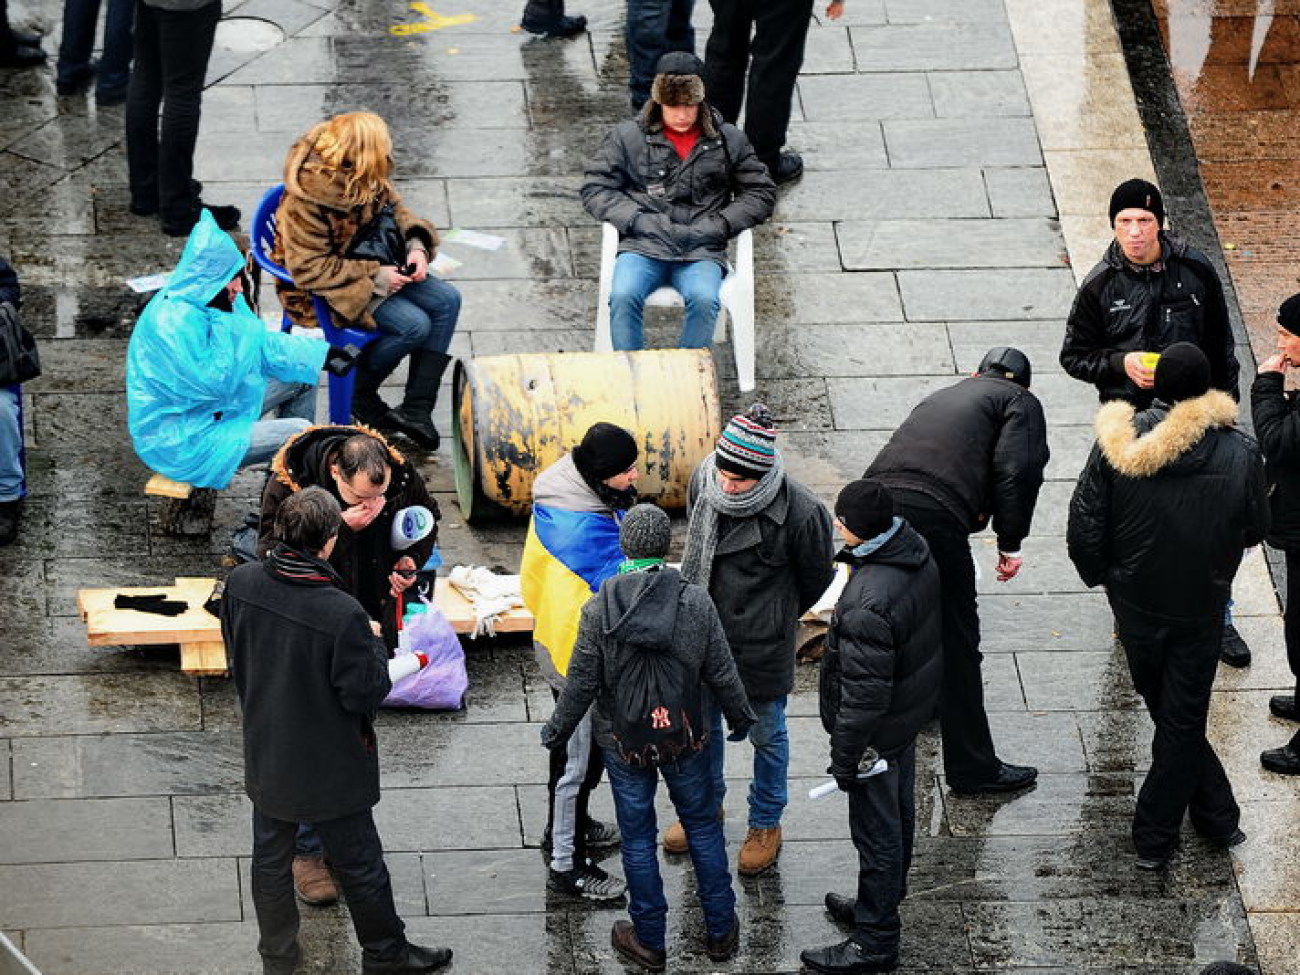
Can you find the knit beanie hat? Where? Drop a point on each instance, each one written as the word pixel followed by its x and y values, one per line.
pixel 1288 315
pixel 646 533
pixel 1182 373
pixel 747 447
pixel 606 450
pixel 865 508
pixel 679 79
pixel 1006 362
pixel 1140 195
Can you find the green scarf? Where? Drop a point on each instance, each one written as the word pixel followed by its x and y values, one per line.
pixel 638 565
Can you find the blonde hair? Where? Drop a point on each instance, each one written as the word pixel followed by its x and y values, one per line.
pixel 358 145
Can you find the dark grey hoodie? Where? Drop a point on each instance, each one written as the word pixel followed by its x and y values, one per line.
pixel 656 611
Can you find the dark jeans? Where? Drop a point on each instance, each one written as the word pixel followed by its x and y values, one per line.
pixel 1173 669
pixel 171 59
pixel 654 27
pixel 422 315
pixel 79 20
pixel 882 822
pixel 353 847
pixel 690 788
pixel 773 59
pixel 968 755
pixel 1291 626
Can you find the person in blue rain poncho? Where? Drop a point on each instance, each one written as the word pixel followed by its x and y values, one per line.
pixel 202 369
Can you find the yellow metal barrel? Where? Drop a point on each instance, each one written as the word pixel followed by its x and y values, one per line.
pixel 514 415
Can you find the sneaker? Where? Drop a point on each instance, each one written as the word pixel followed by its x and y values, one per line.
pixel 555 26
pixel 759 851
pixel 227 218
pixel 587 881
pixel 313 882
pixel 623 939
pixel 601 836
pixel 1233 650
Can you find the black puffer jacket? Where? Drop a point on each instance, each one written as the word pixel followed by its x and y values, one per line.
pixel 884 661
pixel 1121 309
pixel 309 674
pixel 979 448
pixel 1276 415
pixel 362 559
pixel 1164 508
pixel 675 209
pixel 768 570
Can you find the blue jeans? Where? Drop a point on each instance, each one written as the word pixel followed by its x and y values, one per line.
pixel 634 805
pixel 295 410
pixel 12 486
pixel 768 790
pixel 420 316
pixel 79 19
pixel 654 27
pixel 357 856
pixel 637 276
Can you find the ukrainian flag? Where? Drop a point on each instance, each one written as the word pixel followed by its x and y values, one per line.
pixel 567 555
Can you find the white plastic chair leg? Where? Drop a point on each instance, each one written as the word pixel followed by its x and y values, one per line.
pixel 608 252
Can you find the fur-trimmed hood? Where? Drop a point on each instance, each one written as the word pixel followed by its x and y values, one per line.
pixel 304 459
pixel 1136 453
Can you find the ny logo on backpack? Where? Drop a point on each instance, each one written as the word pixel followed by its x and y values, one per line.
pixel 657 716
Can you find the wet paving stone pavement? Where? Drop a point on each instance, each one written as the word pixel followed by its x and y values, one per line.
pixel 959 156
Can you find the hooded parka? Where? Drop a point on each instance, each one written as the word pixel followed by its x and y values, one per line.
pixel 196 375
pixel 1276 415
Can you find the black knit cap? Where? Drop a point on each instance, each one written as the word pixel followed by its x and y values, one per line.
pixel 1008 363
pixel 1182 373
pixel 606 450
pixel 1137 194
pixel 865 508
pixel 1288 315
pixel 645 533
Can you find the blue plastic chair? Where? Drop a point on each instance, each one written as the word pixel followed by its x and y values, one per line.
pixel 341 387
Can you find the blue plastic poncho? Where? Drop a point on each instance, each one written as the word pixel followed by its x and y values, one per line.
pixel 196 376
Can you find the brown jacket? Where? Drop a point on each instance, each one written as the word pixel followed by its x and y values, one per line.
pixel 315 226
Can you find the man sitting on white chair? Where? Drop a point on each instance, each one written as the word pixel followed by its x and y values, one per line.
pixel 677 182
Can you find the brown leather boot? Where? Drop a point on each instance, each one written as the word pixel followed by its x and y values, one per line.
pixel 313 882
pixel 759 850
pixel 674 837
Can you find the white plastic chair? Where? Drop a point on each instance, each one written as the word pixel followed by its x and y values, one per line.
pixel 737 296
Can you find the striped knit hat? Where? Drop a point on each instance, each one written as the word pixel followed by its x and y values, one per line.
pixel 747 447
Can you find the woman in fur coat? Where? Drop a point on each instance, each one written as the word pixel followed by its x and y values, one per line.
pixel 336 180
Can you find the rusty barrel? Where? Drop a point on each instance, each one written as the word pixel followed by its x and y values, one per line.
pixel 514 415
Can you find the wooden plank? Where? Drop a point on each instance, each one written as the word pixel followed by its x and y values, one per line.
pixel 204 659
pixel 460 611
pixel 167 488
pixel 108 626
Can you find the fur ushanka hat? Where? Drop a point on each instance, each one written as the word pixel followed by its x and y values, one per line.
pixel 679 79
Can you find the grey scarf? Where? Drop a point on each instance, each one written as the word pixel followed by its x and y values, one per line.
pixel 702 532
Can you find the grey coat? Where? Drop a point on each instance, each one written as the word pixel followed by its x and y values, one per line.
pixel 768 570
pixel 675 209
pixel 632 613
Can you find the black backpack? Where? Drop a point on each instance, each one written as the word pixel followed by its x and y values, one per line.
pixel 658 714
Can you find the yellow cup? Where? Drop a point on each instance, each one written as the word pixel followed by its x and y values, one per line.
pixel 1149 360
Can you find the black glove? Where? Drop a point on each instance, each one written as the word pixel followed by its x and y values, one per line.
pixel 340 361
pixel 151 603
pixel 846 779
pixel 550 738
pixel 740 732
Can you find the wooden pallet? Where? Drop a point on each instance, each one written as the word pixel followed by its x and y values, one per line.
pixel 196 631
pixel 460 611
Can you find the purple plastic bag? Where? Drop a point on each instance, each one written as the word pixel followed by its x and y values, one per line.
pixel 442 684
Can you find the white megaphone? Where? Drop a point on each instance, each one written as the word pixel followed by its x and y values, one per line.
pixel 410 525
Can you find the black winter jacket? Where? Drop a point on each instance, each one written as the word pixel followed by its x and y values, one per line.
pixel 1276 415
pixel 644 612
pixel 1121 309
pixel 675 209
pixel 309 674
pixel 1164 508
pixel 883 663
pixel 362 559
pixel 768 570
pixel 9 289
pixel 979 448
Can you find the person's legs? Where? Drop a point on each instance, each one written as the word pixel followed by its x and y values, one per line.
pixel 1291 619
pixel 11 445
pixel 768 791
pixel 650 23
pixel 876 823
pixel 780 29
pixel 690 788
pixel 354 850
pixel 78 40
pixel 634 805
pixel 307 842
pixel 290 400
pixel 268 437
pixel 144 96
pixel 115 62
pixel 272 888
pixel 568 849
pixel 715 749
pixel 404 327
pixel 698 282
pixel 726 56
pixel 635 277
pixel 440 302
pixel 184 44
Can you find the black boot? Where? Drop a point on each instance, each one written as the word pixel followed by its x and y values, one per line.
pixel 368 407
pixel 8 521
pixel 422 383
